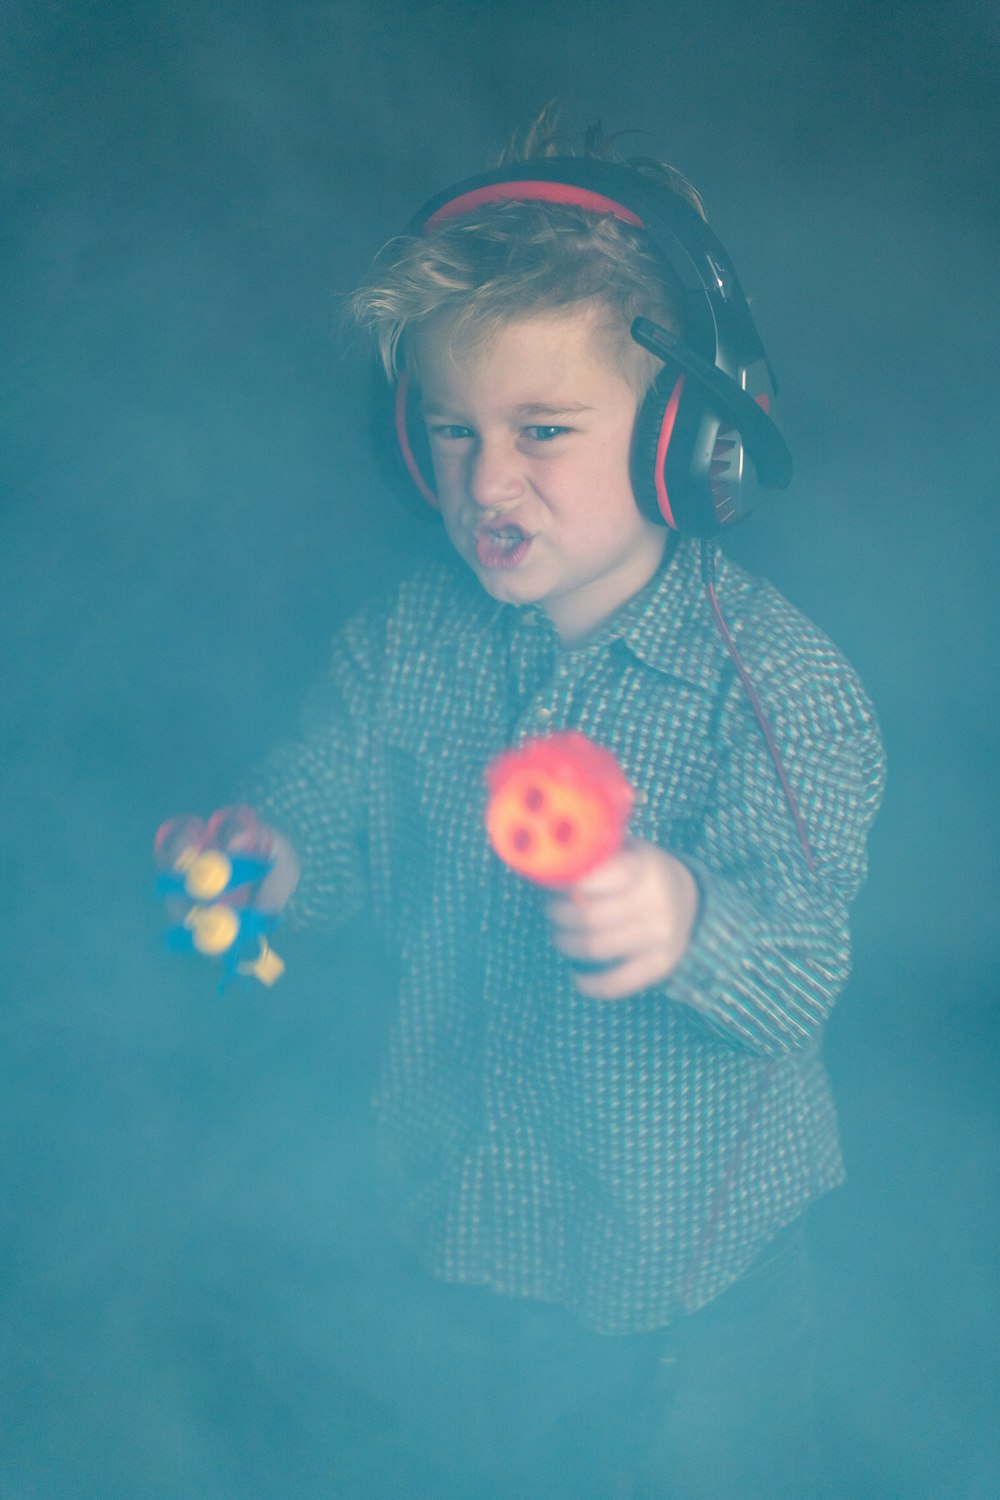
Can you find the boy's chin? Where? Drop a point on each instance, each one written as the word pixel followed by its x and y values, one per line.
pixel 507 588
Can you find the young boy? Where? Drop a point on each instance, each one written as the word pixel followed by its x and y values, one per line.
pixel 609 1098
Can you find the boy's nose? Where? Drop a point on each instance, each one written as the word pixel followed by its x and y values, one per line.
pixel 495 477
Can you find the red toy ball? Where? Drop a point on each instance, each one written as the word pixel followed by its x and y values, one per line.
pixel 558 807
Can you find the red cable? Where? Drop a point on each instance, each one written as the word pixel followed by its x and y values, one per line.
pixel 751 692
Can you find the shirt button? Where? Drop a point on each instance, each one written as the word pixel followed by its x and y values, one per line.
pixel 544 714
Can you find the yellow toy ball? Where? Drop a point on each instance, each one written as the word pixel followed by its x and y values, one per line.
pixel 214 929
pixel 208 875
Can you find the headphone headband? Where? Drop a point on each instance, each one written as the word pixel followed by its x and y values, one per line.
pixel 531 191
pixel 714 301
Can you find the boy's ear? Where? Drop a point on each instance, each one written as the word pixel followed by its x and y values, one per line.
pixel 399 440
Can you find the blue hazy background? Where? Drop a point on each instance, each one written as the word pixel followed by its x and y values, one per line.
pixel 188 511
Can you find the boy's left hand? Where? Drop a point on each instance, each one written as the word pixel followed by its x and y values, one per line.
pixel 636 912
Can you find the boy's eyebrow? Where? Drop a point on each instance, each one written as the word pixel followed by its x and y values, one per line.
pixel 529 409
pixel 436 408
pixel 542 409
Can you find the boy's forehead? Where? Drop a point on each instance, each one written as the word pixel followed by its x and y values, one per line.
pixel 552 340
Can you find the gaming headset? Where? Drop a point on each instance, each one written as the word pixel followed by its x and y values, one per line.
pixel 709 405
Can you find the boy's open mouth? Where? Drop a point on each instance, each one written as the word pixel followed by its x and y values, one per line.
pixel 501 546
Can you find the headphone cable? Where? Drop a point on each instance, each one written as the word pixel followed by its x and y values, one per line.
pixel 708 557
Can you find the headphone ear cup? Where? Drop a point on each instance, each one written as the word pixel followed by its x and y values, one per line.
pixel 399 442
pixel 686 467
pixel 411 435
pixel 652 439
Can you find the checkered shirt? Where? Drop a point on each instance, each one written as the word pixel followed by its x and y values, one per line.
pixel 625 1159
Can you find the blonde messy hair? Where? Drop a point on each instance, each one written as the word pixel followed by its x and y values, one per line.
pixel 472 275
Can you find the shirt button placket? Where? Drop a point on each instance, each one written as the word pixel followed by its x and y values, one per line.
pixel 544 713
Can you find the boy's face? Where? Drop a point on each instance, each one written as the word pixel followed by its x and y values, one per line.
pixel 530 434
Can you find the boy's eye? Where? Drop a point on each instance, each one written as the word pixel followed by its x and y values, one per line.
pixel 449 431
pixel 544 434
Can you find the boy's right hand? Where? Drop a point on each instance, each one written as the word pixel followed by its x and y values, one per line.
pixel 252 837
pixel 225 884
pixel 234 831
pixel 275 890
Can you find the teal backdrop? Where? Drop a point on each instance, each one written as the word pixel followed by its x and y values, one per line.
pixel 187 511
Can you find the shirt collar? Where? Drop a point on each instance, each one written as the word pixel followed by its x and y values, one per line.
pixel 663 625
pixel 667 629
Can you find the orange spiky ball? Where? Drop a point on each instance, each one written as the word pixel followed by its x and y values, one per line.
pixel 558 807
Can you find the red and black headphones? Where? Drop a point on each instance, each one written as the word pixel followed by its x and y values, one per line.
pixel 708 408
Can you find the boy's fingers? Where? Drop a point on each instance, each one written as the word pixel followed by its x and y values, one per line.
pixel 620 980
pixel 619 873
pixel 568 915
pixel 641 926
pixel 601 940
pixel 277 887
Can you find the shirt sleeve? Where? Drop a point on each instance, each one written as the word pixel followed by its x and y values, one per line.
pixel 771 947
pixel 314 788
